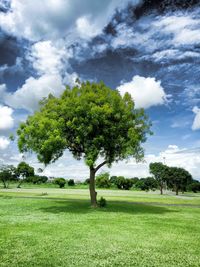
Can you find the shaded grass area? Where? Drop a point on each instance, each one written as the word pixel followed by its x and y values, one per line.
pixel 53 232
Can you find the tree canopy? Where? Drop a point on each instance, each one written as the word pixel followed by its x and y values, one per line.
pixel 90 120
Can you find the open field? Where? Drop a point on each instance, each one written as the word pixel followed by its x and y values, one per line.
pixel 115 195
pixel 57 227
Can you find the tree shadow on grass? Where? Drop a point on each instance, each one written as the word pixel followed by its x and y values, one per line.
pixel 83 207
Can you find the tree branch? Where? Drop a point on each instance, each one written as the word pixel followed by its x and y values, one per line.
pixel 100 165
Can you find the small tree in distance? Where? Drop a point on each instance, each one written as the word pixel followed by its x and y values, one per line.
pixel 160 173
pixel 24 170
pixel 7 173
pixel 178 179
pixel 92 122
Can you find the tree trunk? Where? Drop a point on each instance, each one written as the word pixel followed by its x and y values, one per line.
pixel 177 190
pixel 161 189
pixel 93 193
pixel 4 184
pixel 20 182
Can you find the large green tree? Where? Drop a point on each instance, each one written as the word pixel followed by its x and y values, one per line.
pixel 91 121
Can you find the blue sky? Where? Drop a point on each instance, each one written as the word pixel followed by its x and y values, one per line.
pixel 148 48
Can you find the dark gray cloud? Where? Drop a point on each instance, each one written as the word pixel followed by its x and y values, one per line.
pixel 14 67
pixel 10 49
pixel 4 5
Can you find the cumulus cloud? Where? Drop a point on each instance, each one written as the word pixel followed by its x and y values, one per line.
pixel 86 28
pixel 6 119
pixel 49 62
pixel 34 89
pixel 4 142
pixel 46 57
pixel 51 19
pixel 146 92
pixel 196 122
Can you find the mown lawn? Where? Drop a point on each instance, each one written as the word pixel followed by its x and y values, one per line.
pixel 48 231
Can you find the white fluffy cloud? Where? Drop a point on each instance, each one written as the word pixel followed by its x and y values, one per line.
pixel 52 19
pixel 28 96
pixel 6 119
pixel 196 122
pixel 46 57
pixel 146 92
pixel 4 142
pixel 85 28
pixel 48 60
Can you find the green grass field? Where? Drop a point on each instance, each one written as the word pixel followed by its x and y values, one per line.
pixel 57 227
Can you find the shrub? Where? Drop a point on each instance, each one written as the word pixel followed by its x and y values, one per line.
pixel 141 184
pixel 120 182
pixel 150 183
pixel 44 194
pixel 60 182
pixel 134 180
pixel 147 184
pixel 194 187
pixel 102 202
pixel 36 179
pixel 113 180
pixel 71 182
pixel 87 181
pixel 123 183
pixel 102 180
pixel 127 184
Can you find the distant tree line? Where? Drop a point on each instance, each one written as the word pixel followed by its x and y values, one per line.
pixel 120 182
pixel 24 173
pixel 163 178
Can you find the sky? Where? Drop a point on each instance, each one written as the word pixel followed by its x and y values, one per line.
pixel 148 48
